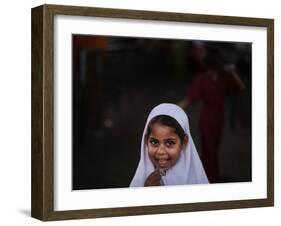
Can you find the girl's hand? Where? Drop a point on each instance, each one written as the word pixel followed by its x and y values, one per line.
pixel 153 179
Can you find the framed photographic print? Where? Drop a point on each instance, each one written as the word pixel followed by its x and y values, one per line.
pixel 142 112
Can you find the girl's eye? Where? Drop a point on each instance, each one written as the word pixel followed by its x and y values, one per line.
pixel 170 143
pixel 153 142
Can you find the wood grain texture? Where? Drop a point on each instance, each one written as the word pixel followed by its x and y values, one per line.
pixel 158 209
pixel 155 15
pixel 42 113
pixel 270 111
pixel 37 193
pixel 48 120
pixel 43 110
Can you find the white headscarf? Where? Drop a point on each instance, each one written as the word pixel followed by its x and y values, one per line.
pixel 187 170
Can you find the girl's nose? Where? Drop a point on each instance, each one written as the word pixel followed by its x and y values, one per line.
pixel 161 150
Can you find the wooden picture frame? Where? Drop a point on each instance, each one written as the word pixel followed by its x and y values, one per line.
pixel 42 205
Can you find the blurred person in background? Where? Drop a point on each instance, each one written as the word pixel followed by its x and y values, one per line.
pixel 211 87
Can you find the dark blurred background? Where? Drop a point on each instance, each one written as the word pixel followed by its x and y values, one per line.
pixel 118 80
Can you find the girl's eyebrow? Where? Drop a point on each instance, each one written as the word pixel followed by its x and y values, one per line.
pixel 171 138
pixel 168 139
pixel 153 138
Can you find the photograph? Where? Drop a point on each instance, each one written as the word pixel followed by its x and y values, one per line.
pixel 150 111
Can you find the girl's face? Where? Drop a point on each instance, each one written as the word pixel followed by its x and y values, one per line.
pixel 164 146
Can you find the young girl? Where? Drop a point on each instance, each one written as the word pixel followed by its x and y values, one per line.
pixel 168 154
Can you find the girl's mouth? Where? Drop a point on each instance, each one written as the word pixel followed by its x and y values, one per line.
pixel 163 163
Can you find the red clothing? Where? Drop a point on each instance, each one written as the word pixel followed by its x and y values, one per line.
pixel 212 93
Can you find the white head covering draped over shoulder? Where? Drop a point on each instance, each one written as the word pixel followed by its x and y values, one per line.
pixel 187 170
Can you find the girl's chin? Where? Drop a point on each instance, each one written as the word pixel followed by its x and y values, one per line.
pixel 161 167
pixel 163 164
